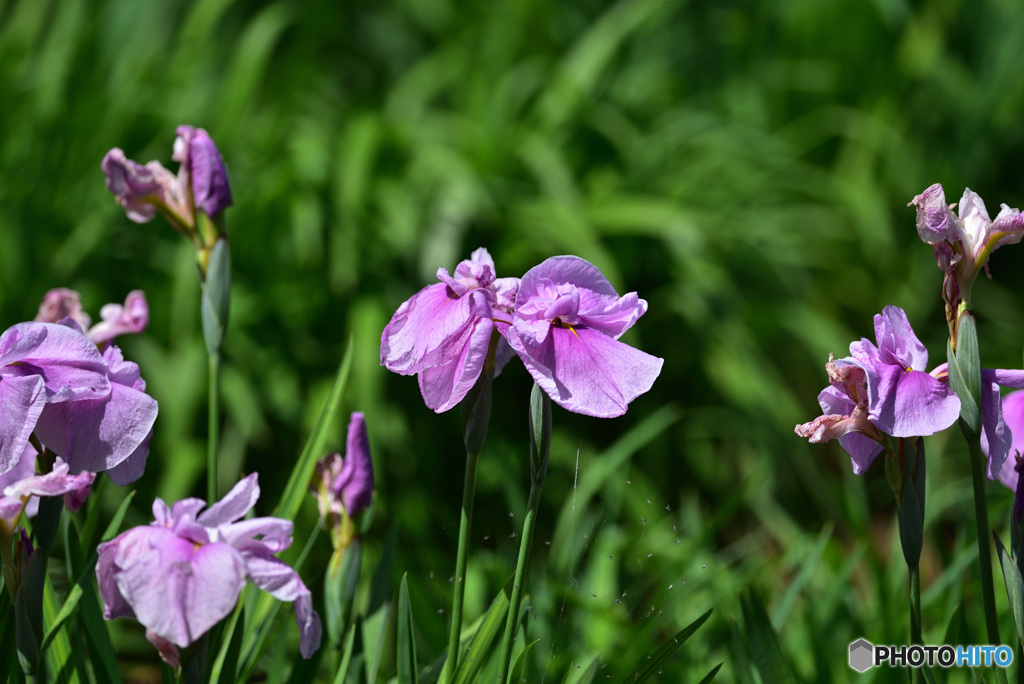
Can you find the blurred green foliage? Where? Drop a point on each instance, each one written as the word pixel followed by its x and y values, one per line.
pixel 743 165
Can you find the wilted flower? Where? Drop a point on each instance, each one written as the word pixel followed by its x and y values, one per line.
pixel 443 332
pixel 344 486
pixel 565 328
pixel 61 303
pixel 201 183
pixel 881 390
pixel 963 243
pixel 21 487
pixel 183 574
pixel 116 320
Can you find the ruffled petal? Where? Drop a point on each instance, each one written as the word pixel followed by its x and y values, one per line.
pixel 444 386
pixel 587 372
pixel 282 582
pixel 21 402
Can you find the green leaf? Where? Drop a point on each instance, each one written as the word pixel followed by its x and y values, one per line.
pixel 225 666
pixel 650 665
pixel 960 381
pixel 346 658
pixel 741 663
pixel 517 669
pixel 216 299
pixel 295 490
pixel 340 583
pixel 711 675
pixel 406 637
pixel 764 643
pixel 1014 585
pixel 480 642
pixel 588 675
pixel 383 617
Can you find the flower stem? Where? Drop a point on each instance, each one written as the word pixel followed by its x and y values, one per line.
pixel 988 594
pixel 465 524
pixel 540 447
pixel 214 428
pixel 914 573
pixel 517 584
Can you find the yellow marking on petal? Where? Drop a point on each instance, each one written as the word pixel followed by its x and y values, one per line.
pixel 574 331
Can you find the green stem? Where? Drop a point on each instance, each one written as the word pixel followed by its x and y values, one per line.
pixel 915 616
pixel 214 429
pixel 988 594
pixel 451 663
pixel 517 583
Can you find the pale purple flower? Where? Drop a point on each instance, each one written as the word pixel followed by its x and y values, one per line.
pixel 443 332
pixel 21 487
pixel 344 486
pixel 881 389
pixel 200 159
pixel 97 434
pixel 133 317
pixel 963 242
pixel 41 365
pixel 1013 423
pixel 141 190
pixel 60 303
pixel 565 328
pixel 183 574
pixel 116 319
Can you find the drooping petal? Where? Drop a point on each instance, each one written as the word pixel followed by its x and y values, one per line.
pixel 21 402
pixel 1013 418
pixel 862 449
pixel 430 329
pixel 131 469
pixel 179 590
pixel 588 372
pixel 57 482
pixel 98 434
pixel 283 583
pixel 923 406
pixel 137 188
pixel 235 504
pixel 444 386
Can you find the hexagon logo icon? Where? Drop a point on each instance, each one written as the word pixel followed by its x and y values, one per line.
pixel 862 655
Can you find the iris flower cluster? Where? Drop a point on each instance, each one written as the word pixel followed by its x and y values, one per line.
pixel 563 319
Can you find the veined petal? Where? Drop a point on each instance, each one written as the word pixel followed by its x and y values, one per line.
pixel 282 582
pixel 430 329
pixel 98 434
pixel 179 590
pixel 67 360
pixel 923 405
pixel 443 387
pixel 862 450
pixel 585 371
pixel 21 402
pixel 895 336
pixel 235 504
pixel 1013 417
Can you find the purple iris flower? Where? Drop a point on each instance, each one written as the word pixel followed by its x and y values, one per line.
pixel 443 332
pixel 567 322
pixel 344 486
pixel 41 365
pixel 200 160
pixel 183 574
pixel 881 389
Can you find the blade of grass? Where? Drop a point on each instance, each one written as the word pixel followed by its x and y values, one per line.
pixel 407 668
pixel 652 663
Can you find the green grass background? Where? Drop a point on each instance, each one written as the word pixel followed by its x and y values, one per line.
pixel 745 166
